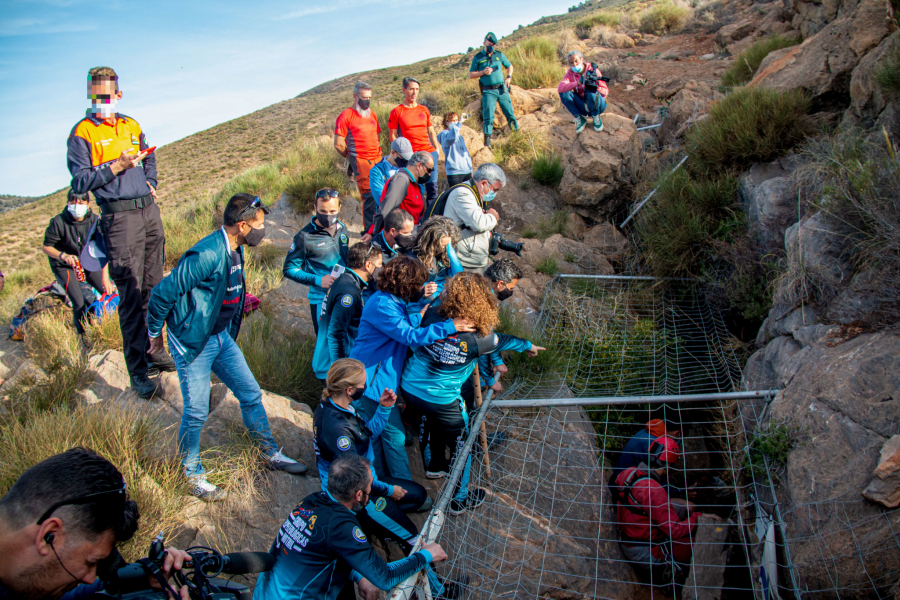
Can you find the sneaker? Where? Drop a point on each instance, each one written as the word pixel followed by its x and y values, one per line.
pixel 143 386
pixel 206 491
pixel 580 123
pixel 487 140
pixel 436 474
pixel 161 362
pixel 426 506
pixel 598 123
pixel 473 500
pixel 454 589
pixel 280 462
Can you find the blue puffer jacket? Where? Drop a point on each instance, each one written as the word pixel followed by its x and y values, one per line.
pixel 189 299
pixel 385 332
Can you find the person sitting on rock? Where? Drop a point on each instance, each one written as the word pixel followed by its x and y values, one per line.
pixel 433 377
pixel 401 152
pixel 342 307
pixel 434 249
pixel 404 190
pixel 655 530
pixel 583 91
pixel 322 548
pixel 466 207
pixel 316 249
pixel 64 239
pixel 386 332
pixel 202 304
pixel 457 160
pixel 341 430
pixel 398 234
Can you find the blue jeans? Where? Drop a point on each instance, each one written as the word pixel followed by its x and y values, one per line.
pixel 222 357
pixel 431 187
pixel 589 106
pixel 389 448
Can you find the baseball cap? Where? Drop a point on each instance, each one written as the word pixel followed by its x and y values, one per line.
pixel 664 450
pixel 402 147
pixel 94 255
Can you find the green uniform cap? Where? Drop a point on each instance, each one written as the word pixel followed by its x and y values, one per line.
pixel 490 37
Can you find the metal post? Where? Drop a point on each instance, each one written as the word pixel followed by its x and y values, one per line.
pixel 482 436
pixel 650 195
pixel 616 400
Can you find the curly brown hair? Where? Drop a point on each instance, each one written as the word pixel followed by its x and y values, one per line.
pixel 469 296
pixel 403 277
pixel 428 247
pixel 447 118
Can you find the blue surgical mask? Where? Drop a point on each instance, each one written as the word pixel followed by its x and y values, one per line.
pixel 489 196
pixel 578 68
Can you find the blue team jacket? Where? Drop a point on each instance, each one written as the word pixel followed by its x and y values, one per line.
pixel 339 321
pixel 438 276
pixel 385 332
pixel 313 254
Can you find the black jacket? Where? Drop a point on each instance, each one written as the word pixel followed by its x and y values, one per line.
pixel 67 235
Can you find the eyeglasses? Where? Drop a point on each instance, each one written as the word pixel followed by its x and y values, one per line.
pixel 83 500
pixel 327 192
pixel 255 204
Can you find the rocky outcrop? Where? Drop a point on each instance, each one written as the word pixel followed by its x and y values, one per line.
pixel 570 256
pixel 885 486
pixel 607 240
pixel 734 32
pixel 524 102
pixel 600 168
pixel 822 65
pixel 684 110
pixel 867 101
pixel 770 201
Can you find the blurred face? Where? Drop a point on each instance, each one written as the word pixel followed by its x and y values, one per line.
pixel 103 96
pixel 576 61
pixel 411 92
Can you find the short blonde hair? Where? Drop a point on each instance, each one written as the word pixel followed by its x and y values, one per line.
pixel 344 373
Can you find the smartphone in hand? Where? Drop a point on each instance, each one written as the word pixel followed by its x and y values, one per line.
pixel 337 271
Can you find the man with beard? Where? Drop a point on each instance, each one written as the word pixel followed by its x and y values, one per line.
pixel 60 523
pixel 356 138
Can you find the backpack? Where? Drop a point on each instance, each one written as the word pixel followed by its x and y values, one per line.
pixel 108 303
pixel 440 203
pixel 624 494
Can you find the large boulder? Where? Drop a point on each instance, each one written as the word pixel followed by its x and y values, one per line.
pixel 866 98
pixel 822 65
pixel 607 240
pixel 685 108
pixel 770 202
pixel 885 486
pixel 524 102
pixel 601 167
pixel 734 32
pixel 288 306
pixel 570 256
pixel 843 396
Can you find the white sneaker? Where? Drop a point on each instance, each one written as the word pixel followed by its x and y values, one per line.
pixel 280 462
pixel 206 491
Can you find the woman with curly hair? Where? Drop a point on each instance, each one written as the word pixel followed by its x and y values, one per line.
pixel 433 377
pixel 434 248
pixel 385 333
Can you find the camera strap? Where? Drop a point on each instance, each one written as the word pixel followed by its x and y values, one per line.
pixel 151 568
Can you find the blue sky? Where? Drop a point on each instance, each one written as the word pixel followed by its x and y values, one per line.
pixel 187 65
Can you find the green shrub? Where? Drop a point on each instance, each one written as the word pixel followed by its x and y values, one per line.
pixel 768 451
pixel 664 17
pixel 604 17
pixel 547 227
pixel 281 361
pixel 520 365
pixel 686 214
pixel 308 169
pixel 547 169
pixel 186 227
pixel 514 149
pixel 749 125
pixel 536 63
pixel 747 62
pixel 548 266
pixel 888 74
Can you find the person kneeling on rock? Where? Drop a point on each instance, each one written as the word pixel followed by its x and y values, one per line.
pixel 583 91
pixel 202 302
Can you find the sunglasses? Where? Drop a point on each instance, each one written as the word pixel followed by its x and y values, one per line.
pixel 84 500
pixel 327 192
pixel 255 205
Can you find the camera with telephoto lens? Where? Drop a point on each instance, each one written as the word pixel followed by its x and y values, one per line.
pixel 498 243
pixel 201 574
pixel 591 79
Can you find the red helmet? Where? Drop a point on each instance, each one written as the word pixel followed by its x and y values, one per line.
pixel 665 450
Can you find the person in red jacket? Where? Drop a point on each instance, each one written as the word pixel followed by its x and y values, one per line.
pixel 655 530
pixel 403 190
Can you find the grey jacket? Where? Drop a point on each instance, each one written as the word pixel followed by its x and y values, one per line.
pixel 467 210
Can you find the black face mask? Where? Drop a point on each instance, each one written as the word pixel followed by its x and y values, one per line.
pixel 504 294
pixel 358 393
pixel 401 162
pixel 418 295
pixel 326 221
pixel 404 240
pixel 364 104
pixel 255 236
pixel 424 178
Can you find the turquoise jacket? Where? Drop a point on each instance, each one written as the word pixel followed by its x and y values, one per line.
pixel 189 299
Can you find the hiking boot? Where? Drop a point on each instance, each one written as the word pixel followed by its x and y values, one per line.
pixel 436 474
pixel 280 462
pixel 143 386
pixel 580 123
pixel 426 506
pixel 453 589
pixel 160 362
pixel 598 123
pixel 473 500
pixel 206 491
pixel 487 140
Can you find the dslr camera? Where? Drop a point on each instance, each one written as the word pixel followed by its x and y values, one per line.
pixel 132 581
pixel 498 243
pixel 591 79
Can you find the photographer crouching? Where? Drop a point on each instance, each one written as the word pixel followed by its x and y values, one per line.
pixel 60 524
pixel 583 91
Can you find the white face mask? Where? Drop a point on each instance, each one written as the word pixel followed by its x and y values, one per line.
pixel 78 210
pixel 104 108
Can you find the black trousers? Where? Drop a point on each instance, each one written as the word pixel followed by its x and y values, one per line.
pixel 454 179
pixel 442 425
pixel 136 246
pixel 314 314
pixel 387 519
pixel 69 281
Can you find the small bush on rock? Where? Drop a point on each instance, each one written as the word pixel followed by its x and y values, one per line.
pixel 747 62
pixel 888 74
pixel 664 17
pixel 547 169
pixel 604 17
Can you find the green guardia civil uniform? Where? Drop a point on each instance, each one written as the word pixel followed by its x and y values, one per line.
pixel 492 89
